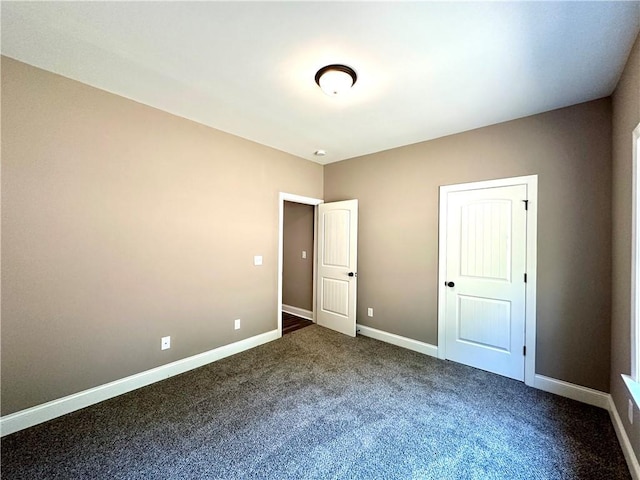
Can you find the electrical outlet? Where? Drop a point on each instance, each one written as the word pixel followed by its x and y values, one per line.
pixel 257 260
pixel 370 312
pixel 630 412
pixel 236 324
pixel 304 254
pixel 165 343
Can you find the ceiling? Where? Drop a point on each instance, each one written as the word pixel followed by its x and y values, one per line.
pixel 425 69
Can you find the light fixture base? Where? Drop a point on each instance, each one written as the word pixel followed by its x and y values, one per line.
pixel 336 78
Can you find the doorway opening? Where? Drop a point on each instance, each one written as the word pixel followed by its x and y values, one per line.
pixel 297 266
pixel 297 261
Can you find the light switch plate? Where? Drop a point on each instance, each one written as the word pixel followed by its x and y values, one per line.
pixel 370 312
pixel 304 254
pixel 257 260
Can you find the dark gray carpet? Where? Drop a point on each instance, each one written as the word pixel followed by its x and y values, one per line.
pixel 317 404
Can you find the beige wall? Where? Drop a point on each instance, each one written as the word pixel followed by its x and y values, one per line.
pixel 122 224
pixel 626 116
pixel 297 272
pixel 570 150
pixel 118 229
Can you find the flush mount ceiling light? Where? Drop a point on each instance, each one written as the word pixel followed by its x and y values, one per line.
pixel 336 79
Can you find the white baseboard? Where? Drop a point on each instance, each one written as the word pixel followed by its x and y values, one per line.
pixel 572 391
pixel 298 312
pixel 623 439
pixel 394 339
pixel 61 406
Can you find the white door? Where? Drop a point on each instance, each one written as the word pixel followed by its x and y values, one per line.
pixel 485 279
pixel 337 266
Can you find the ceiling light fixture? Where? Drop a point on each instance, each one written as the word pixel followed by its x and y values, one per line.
pixel 336 79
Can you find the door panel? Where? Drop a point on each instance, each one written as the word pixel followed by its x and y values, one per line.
pixel 335 296
pixel 486 258
pixel 336 237
pixel 337 253
pixel 484 249
pixel 484 322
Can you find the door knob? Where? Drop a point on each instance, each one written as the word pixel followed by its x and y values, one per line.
pixel 352 274
pixel 450 284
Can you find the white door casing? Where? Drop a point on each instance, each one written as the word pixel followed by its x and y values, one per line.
pixel 486 316
pixel 337 266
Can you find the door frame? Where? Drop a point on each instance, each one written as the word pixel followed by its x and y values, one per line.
pixel 531 181
pixel 290 197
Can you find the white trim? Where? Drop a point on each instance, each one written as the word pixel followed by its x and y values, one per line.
pixel 633 387
pixel 532 280
pixel 298 312
pixel 635 259
pixel 442 273
pixel 531 181
pixel 404 342
pixel 623 439
pixel 571 390
pixel 61 406
pixel 290 197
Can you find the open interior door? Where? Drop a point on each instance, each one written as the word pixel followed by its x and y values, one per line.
pixel 337 265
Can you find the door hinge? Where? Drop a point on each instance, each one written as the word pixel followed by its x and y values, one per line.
pixel 526 204
pixel 525 278
pixel 524 350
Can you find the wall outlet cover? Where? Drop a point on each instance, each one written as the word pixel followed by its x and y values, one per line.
pixel 257 260
pixel 236 324
pixel 165 343
pixel 370 312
